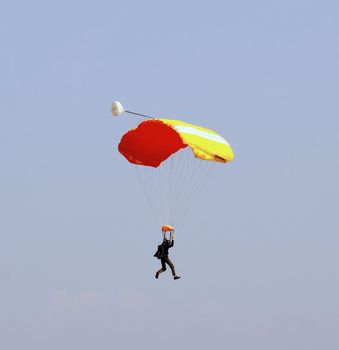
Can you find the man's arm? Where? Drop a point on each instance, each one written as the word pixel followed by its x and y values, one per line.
pixel 172 241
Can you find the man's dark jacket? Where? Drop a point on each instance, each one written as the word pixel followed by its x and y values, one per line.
pixel 162 251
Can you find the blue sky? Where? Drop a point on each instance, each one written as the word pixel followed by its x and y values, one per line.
pixel 257 253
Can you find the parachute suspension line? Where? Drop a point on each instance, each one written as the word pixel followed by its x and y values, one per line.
pixel 167 198
pixel 184 174
pixel 166 186
pixel 171 186
pixel 156 183
pixel 182 169
pixel 147 191
pixel 151 178
pixel 189 178
pixel 162 194
pixel 161 190
pixel 165 169
pixel 182 161
pixel 174 186
pixel 140 115
pixel 185 167
pixel 178 160
pixel 198 178
pixel 198 168
pixel 170 192
pixel 199 187
pixel 185 179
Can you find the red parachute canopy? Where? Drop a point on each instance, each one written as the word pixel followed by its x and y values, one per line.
pixel 150 143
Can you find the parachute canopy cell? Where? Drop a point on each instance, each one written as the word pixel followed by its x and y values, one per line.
pixel 153 141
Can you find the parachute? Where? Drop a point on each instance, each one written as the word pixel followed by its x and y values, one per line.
pixel 173 160
pixel 153 141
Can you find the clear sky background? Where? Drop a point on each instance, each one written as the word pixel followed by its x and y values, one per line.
pixel 258 253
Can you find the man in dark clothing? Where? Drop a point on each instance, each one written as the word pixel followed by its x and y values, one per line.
pixel 162 254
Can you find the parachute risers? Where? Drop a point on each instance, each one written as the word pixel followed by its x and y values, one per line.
pixel 165 229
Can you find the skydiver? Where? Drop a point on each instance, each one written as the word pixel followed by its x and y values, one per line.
pixel 162 254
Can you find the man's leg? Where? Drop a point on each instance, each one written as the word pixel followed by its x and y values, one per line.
pixel 163 268
pixel 170 264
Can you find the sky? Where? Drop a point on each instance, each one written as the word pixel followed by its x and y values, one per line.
pixel 258 251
